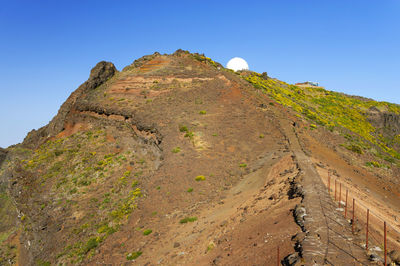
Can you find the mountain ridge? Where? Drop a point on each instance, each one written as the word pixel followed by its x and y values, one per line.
pixel 174 152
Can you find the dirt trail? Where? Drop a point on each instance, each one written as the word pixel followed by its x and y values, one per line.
pixel 329 240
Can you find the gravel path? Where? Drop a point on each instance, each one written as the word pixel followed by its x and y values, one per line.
pixel 329 240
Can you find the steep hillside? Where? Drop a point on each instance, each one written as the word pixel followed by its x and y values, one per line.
pixel 370 128
pixel 177 160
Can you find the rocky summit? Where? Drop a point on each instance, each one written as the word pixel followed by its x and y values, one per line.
pixel 176 160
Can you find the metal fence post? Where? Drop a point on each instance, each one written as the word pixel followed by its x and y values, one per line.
pixel 353 221
pixel 278 260
pixel 345 207
pixel 340 193
pixel 366 234
pixel 384 239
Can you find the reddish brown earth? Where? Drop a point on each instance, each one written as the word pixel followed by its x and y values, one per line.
pixel 257 166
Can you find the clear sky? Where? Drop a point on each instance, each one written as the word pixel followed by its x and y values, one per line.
pixel 47 48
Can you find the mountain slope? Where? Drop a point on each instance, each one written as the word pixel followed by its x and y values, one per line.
pixel 176 160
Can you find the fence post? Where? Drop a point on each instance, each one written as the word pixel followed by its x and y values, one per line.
pixel 340 193
pixel 335 189
pixel 278 260
pixel 384 239
pixel 366 234
pixel 353 221
pixel 345 207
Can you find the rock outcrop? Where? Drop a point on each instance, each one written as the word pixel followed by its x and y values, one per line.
pixel 102 72
pixel 387 121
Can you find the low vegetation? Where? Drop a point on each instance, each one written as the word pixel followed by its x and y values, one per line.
pixel 200 178
pixel 176 149
pixel 133 255
pixel 147 232
pixel 334 111
pixel 74 168
pixel 188 220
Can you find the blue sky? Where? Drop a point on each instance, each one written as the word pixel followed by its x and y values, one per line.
pixel 47 48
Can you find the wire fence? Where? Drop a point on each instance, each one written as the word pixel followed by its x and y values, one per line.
pixel 379 236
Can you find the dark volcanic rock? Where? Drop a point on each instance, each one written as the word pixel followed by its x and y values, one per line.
pixel 292 259
pixel 388 121
pixel 102 72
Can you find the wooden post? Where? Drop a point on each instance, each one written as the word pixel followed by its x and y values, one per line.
pixel 366 234
pixel 384 239
pixel 345 207
pixel 353 221
pixel 340 193
pixel 278 260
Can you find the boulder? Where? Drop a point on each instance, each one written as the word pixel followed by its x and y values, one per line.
pixel 299 213
pixel 292 260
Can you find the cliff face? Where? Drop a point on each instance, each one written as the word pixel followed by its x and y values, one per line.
pixel 387 121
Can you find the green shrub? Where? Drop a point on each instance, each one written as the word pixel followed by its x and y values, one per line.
pixel 147 232
pixel 106 229
pixel 133 255
pixel 202 112
pixel 190 189
pixel 189 135
pixel 183 129
pixel 58 152
pixel 176 149
pixel 355 148
pixel 389 159
pixel 91 244
pixel 242 165
pixel 188 219
pixel 373 164
pixel 134 183
pixel 200 178
pixel 39 263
